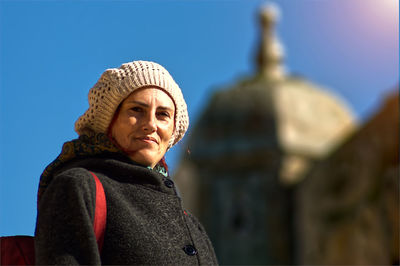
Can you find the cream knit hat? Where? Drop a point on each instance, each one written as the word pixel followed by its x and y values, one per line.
pixel 116 84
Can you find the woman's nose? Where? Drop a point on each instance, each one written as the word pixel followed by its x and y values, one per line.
pixel 149 123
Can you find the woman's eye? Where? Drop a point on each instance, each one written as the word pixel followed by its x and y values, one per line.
pixel 163 114
pixel 136 109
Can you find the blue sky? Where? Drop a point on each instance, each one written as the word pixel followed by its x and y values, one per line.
pixel 52 52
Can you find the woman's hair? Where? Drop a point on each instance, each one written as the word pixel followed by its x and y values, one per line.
pixel 163 163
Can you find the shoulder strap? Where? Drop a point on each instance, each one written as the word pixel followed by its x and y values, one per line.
pixel 100 214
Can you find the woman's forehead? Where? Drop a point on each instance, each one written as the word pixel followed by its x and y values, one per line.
pixel 149 96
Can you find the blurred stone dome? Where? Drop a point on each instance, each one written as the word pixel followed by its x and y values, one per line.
pixel 271 110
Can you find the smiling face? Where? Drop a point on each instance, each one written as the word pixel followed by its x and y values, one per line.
pixel 144 125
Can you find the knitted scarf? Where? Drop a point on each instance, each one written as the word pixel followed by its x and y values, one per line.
pixel 84 146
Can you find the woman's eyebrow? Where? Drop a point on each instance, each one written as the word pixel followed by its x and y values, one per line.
pixel 165 108
pixel 139 103
pixel 146 105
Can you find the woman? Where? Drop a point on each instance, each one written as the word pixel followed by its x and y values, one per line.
pixel 136 113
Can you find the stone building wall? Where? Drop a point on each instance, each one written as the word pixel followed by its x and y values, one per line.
pixel 348 206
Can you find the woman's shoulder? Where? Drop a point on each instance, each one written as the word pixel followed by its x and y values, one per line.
pixel 75 177
pixel 73 185
pixel 73 173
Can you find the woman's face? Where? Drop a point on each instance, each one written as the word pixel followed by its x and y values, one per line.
pixel 144 125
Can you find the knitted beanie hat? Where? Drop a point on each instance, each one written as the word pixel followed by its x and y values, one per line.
pixel 116 84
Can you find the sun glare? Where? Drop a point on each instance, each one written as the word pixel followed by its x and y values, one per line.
pixel 381 14
pixel 391 3
pixel 390 6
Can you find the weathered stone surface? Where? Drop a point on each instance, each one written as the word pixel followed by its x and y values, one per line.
pixel 348 206
pixel 240 160
pixel 311 121
pixel 234 162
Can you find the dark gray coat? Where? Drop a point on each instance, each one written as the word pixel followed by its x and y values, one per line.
pixel 146 223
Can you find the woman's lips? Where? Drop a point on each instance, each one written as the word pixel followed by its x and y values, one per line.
pixel 148 140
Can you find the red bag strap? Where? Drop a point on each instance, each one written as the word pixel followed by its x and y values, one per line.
pixel 100 213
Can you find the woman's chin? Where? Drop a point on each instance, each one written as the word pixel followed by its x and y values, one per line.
pixel 145 158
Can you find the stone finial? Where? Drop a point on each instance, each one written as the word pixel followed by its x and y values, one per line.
pixel 270 55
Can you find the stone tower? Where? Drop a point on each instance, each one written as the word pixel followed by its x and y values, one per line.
pixel 251 144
